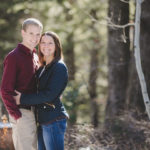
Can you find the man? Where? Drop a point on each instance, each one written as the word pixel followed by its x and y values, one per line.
pixel 20 66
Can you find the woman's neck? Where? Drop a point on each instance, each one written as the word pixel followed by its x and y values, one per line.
pixel 48 59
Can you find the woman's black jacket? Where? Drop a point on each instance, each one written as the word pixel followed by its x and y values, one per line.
pixel 51 84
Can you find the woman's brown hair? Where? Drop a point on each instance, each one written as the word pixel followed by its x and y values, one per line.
pixel 58 48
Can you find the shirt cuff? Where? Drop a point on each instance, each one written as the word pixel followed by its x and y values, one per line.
pixel 17 115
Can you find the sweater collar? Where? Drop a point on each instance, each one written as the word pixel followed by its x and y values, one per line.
pixel 26 50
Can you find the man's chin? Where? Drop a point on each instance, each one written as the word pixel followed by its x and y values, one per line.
pixel 33 46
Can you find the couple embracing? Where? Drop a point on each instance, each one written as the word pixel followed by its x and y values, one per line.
pixel 31 88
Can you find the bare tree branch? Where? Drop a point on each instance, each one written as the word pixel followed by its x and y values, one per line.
pixel 108 22
pixel 125 1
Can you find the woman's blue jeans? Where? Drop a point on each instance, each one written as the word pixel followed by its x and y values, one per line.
pixel 51 136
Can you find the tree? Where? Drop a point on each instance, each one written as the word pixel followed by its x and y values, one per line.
pixel 69 48
pixel 135 99
pixel 144 42
pixel 118 58
pixel 93 75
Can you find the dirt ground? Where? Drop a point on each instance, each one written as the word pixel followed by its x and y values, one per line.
pixel 124 133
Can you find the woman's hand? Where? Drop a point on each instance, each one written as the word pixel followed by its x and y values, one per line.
pixel 17 97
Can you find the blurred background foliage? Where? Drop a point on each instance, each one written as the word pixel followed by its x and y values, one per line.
pixel 78 23
pixel 103 88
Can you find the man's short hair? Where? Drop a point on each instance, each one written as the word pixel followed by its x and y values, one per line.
pixel 31 21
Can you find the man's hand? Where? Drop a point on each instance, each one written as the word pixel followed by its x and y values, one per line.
pixel 17 97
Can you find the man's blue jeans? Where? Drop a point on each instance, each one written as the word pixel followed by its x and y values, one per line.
pixel 51 136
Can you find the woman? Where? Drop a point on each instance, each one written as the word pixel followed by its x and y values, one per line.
pixel 52 80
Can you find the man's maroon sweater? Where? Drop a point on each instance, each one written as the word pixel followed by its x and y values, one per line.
pixel 20 66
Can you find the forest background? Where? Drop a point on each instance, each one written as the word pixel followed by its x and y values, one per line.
pixel 103 96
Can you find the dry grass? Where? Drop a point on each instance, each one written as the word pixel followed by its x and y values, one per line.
pixel 124 133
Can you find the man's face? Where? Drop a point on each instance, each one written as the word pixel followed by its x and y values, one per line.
pixel 31 36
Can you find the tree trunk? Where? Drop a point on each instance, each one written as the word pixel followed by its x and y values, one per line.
pixel 70 56
pixel 94 73
pixel 118 58
pixel 69 48
pixel 6 142
pixel 92 86
pixel 135 101
pixel 144 42
pixel 70 61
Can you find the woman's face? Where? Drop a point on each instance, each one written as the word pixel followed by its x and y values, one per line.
pixel 47 46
